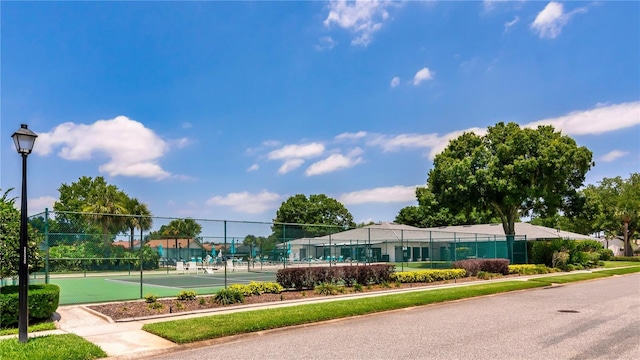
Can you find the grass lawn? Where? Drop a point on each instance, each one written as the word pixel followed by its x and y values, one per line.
pixel 614 264
pixel 210 327
pixel 51 347
pixel 47 325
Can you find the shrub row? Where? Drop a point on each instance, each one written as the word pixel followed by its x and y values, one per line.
pixel 43 302
pixel 473 266
pixel 529 269
pixel 308 278
pixel 626 258
pixel 560 253
pixel 427 275
pixel 257 288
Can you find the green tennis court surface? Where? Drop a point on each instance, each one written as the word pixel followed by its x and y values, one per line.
pixel 93 289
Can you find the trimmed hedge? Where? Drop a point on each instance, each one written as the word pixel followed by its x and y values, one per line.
pixel 529 269
pixel 427 276
pixel 43 302
pixel 309 277
pixel 257 288
pixel 473 266
pixel 626 258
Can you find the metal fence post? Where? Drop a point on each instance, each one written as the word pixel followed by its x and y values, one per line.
pixel 225 254
pixel 46 242
pixel 141 259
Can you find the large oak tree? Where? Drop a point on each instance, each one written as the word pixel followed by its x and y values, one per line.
pixel 510 170
pixel 316 210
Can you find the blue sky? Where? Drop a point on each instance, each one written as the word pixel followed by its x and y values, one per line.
pixel 222 110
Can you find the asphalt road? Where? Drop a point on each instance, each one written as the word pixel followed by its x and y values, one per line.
pixel 589 320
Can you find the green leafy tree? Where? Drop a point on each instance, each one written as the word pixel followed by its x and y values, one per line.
pixel 511 171
pixel 106 205
pixel 178 228
pixel 429 213
pixel 609 204
pixel 261 243
pixel 139 217
pixel 10 240
pixel 70 223
pixel 314 210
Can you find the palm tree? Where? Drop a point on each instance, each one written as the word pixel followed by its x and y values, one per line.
pixel 105 205
pixel 142 219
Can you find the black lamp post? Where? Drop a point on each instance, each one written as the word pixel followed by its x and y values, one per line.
pixel 24 140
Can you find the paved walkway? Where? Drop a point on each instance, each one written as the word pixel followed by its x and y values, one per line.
pixel 127 340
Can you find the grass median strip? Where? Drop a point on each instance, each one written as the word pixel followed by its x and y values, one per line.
pixel 623 271
pixel 50 347
pixel 563 279
pixel 32 328
pixel 215 326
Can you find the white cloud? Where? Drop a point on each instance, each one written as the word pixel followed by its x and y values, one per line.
pixel 436 143
pixel 271 143
pixel 325 43
pixel 37 205
pixel 335 162
pixel 550 21
pixel 395 82
pixel 509 24
pixel 289 165
pixel 246 202
pixel 390 194
pixel 363 18
pixel 422 75
pixel 297 151
pixel 253 167
pixel 187 125
pixel 613 155
pixel 411 141
pixel 595 121
pixel 132 149
pixel 351 136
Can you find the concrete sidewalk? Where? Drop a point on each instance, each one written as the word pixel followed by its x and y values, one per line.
pixel 126 340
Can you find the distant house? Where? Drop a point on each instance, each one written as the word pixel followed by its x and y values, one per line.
pixel 615 244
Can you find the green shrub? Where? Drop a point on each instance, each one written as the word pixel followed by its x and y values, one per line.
pixel 357 287
pixel 569 267
pixel 485 275
pixel 605 254
pixel 187 295
pixel 156 306
pixel 245 290
pixel 560 259
pixel 327 289
pixel 259 288
pixel 202 301
pixel 529 269
pixel 427 276
pixel 151 298
pixel 228 297
pixel 43 302
pixel 588 245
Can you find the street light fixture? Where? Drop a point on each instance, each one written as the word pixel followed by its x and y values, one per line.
pixel 24 140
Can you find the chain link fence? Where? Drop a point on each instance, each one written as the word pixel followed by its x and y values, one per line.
pixel 103 257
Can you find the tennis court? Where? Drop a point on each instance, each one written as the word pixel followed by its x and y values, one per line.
pixel 114 287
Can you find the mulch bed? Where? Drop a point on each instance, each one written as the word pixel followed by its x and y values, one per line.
pixel 140 309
